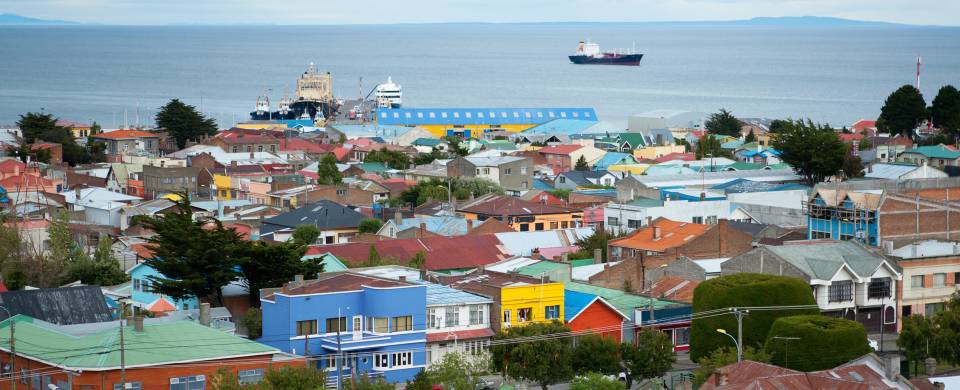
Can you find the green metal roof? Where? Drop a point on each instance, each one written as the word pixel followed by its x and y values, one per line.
pixel 375 167
pixel 646 202
pixel 581 262
pixel 623 301
pixel 536 269
pixel 935 151
pixel 744 166
pixel 635 140
pixel 822 260
pixel 161 343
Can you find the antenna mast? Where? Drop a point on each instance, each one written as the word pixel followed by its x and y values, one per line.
pixel 918 72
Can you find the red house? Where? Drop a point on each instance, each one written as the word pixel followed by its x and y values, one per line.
pixel 584 312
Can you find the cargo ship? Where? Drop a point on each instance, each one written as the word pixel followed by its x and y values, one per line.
pixel 314 99
pixel 588 53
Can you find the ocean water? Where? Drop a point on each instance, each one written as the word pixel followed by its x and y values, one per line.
pixel 835 75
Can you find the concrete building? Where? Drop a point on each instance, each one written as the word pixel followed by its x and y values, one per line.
pixel 931 274
pixel 158 181
pixel 514 174
pixel 120 142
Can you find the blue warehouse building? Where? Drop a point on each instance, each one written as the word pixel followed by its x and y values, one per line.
pixel 473 122
pixel 381 324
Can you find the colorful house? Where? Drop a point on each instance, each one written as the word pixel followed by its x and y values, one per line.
pixel 78 129
pixel 518 300
pixel 144 298
pixel 473 122
pixel 377 324
pixel 457 321
pixel 587 312
pixel 520 214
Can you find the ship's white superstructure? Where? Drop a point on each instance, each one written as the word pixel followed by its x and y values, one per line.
pixel 389 94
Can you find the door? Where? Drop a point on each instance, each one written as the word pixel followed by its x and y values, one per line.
pixel 357 327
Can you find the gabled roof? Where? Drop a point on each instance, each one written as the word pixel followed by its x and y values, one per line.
pixel 438 294
pixel 614 158
pixel 560 149
pixel 581 178
pixel 511 206
pixel 575 303
pixel 822 259
pixel 341 282
pixel 672 234
pixel 63 305
pixel 442 253
pixel 935 151
pixel 125 134
pixel 624 302
pixel 443 225
pixel 324 214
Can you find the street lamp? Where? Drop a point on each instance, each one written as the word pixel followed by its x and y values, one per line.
pixel 13 347
pixel 739 351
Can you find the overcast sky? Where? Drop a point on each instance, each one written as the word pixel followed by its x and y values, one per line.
pixel 943 12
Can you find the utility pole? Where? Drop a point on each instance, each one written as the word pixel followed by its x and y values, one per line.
pixel 13 348
pixel 739 313
pixel 786 349
pixel 339 351
pixel 123 365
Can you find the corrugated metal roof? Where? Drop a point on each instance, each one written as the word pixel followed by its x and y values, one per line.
pixel 440 295
pixel 489 116
pixel 624 302
pixel 821 260
pixel 523 243
pixel 64 305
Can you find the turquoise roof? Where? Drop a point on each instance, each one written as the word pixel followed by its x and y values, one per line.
pixel 374 167
pixel 431 142
pixel 539 268
pixel 935 151
pixel 624 302
pixel 732 144
pixel 614 158
pixel 499 144
pixel 330 262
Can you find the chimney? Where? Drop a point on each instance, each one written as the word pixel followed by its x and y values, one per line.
pixel 137 323
pixel 403 278
pixel 297 282
pixel 721 376
pixel 565 258
pixel 233 163
pixel 929 364
pixel 423 229
pixel 597 256
pixel 469 226
pixel 649 220
pixel 656 232
pixel 398 217
pixel 205 314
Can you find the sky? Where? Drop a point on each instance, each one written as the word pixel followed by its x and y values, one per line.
pixel 152 12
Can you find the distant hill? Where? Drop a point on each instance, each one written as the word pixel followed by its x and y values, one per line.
pixel 808 21
pixel 18 20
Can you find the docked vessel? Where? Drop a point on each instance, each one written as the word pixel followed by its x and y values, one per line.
pixel 389 94
pixel 588 53
pixel 313 100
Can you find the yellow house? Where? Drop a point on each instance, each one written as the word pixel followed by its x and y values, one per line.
pixel 225 190
pixel 633 169
pixel 653 152
pixel 523 304
pixel 79 130
pixel 521 215
pixel 473 122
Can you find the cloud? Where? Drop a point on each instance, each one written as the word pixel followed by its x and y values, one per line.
pixel 413 11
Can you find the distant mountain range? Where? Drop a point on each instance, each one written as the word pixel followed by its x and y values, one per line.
pixel 785 21
pixel 17 20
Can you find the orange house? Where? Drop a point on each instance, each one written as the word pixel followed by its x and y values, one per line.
pixel 588 312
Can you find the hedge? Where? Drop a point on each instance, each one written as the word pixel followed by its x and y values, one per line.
pixel 825 342
pixel 744 290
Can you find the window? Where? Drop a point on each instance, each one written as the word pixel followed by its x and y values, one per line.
pixel 251 376
pixel 554 225
pixel 196 382
pixel 453 316
pixel 476 315
pixel 551 312
pixel 524 227
pixel 330 361
pixel 538 226
pixel 711 220
pixel 249 148
pixel 130 386
pixel 402 359
pixel 506 316
pixel 486 171
pixel 524 314
pixel 328 239
pixel 341 192
pixel 939 280
pixel 818 235
pixel 433 318
pixel 259 148
pixel 507 171
pixel 306 327
pixel 933 308
pixel 681 336
pixel 523 170
pixel 634 223
pixel 332 324
pixel 879 288
pixel 381 360
pixel 841 291
pixel 23 376
pixel 563 179
pixel 697 220
pixel 403 324
pixel 613 221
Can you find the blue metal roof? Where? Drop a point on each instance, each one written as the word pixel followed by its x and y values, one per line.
pixel 613 158
pixel 443 295
pixel 574 302
pixel 470 116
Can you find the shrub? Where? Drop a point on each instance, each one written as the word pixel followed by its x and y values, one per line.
pixel 744 290
pixel 825 342
pixel 595 381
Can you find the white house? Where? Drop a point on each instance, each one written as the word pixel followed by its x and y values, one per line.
pixel 627 217
pixel 457 321
pixel 847 280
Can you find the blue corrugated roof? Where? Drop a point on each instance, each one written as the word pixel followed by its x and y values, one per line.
pixel 613 158
pixel 541 185
pixel 490 116
pixel 371 130
pixel 574 302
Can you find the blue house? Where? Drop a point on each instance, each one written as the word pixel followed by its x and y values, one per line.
pixel 377 324
pixel 843 215
pixel 144 298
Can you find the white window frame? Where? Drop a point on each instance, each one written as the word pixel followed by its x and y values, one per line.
pixel 381 361
pixel 402 359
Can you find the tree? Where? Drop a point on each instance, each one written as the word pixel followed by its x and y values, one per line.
pixel 373 257
pixel 560 193
pixel 865 144
pixel 709 146
pixel 650 358
pixel 193 258
pixel 264 265
pixel 95 128
pixel 417 261
pixel 595 381
pixel 597 240
pixel 463 188
pixel 453 371
pixel 945 110
pixel 253 321
pixel 778 125
pixel 545 361
pixel 184 123
pixel 915 338
pixel 593 353
pixel 102 270
pixel 391 158
pixel 723 357
pixel 370 225
pixel 744 290
pixel 824 342
pixel 224 379
pixel 37 127
pixel 902 112
pixel 294 378
pixel 581 164
pixel 946 339
pixel 306 234
pixel 750 137
pixel 852 166
pixel 813 150
pixel 327 171
pixel 724 123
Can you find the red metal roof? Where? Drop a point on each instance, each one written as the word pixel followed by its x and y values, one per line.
pixel 851 137
pixel 863 124
pixel 442 253
pixel 560 149
pixel 342 282
pixel 676 156
pixel 753 375
pixel 302 145
pixel 10 165
pixel 245 136
pixel 509 205
pixel 459 335
pixel 671 234
pixel 125 134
